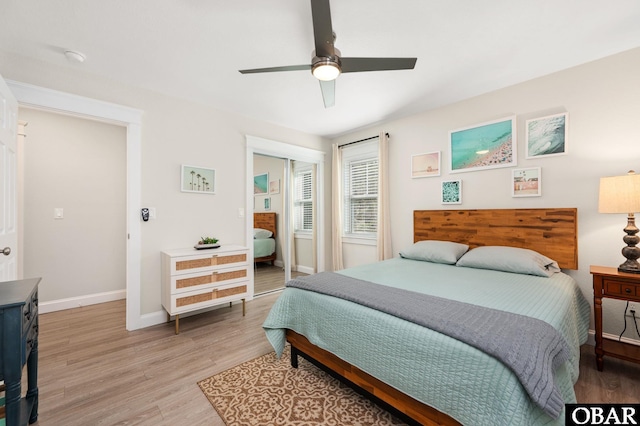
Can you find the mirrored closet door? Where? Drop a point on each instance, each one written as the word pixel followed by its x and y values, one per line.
pixel 283 216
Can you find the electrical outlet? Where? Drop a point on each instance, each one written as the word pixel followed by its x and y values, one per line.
pixel 633 307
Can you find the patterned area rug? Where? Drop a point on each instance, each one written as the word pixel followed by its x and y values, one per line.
pixel 268 391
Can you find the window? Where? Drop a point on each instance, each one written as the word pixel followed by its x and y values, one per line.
pixel 303 199
pixel 360 189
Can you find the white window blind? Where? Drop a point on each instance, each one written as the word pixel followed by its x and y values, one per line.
pixel 303 200
pixel 360 184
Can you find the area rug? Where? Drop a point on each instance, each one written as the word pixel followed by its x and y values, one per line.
pixel 268 391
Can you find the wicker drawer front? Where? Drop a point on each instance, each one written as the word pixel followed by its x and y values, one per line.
pixel 214 277
pixel 203 298
pixel 621 288
pixel 209 261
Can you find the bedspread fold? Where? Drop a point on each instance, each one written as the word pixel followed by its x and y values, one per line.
pixel 530 347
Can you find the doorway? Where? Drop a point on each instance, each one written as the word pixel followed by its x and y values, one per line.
pixel 75 199
pixel 287 155
pixel 47 99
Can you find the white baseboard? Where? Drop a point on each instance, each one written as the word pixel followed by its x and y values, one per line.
pixel 79 301
pixel 305 269
pixel 592 338
pixel 153 318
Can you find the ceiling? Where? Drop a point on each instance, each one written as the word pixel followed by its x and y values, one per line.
pixel 193 49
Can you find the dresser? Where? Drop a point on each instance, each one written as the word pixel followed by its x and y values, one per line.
pixel 197 279
pixel 610 283
pixel 19 346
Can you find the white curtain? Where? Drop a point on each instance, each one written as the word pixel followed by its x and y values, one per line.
pixel 314 198
pixel 384 227
pixel 336 208
pixel 292 210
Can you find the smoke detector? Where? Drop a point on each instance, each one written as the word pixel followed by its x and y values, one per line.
pixel 74 56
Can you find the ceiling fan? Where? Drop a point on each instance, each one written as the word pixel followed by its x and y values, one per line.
pixel 327 64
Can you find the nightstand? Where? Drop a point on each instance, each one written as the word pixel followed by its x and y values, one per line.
pixel 608 282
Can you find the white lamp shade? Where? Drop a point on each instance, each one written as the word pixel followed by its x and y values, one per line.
pixel 620 194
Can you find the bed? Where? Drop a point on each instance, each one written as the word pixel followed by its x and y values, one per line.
pixel 429 376
pixel 264 237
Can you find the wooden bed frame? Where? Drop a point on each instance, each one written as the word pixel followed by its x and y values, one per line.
pixel 266 221
pixel 552 232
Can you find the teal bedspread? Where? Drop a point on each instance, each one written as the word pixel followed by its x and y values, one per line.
pixel 264 247
pixel 457 379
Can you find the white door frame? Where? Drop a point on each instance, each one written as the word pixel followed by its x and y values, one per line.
pixel 257 145
pixel 50 100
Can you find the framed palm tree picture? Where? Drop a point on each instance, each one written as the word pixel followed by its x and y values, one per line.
pixel 198 179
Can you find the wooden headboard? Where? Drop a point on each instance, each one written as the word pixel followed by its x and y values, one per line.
pixel 551 232
pixel 265 221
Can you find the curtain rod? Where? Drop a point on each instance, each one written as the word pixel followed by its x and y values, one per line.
pixel 361 140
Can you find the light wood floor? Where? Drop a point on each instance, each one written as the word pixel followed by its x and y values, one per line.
pixel 93 372
pixel 268 278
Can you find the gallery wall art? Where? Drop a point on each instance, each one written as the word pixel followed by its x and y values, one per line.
pixel 547 136
pixel 484 146
pixel 425 165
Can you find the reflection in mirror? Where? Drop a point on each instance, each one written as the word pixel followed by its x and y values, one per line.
pixel 270 241
pixel 268 218
pixel 303 218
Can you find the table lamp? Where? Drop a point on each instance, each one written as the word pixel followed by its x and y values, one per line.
pixel 621 194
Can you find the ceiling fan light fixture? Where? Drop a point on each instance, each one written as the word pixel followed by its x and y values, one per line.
pixel 326 70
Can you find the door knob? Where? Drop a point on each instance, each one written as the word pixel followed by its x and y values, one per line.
pixel 6 251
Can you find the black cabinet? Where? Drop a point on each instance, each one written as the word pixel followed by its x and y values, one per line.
pixel 19 346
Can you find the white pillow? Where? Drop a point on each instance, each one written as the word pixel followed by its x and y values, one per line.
pixel 509 259
pixel 435 251
pixel 261 234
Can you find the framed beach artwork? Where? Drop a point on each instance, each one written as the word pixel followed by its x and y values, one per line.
pixel 267 203
pixel 261 184
pixel 198 179
pixel 526 182
pixel 547 136
pixel 274 186
pixel 425 165
pixel 451 192
pixel 484 146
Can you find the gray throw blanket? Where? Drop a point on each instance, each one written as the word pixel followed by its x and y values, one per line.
pixel 531 348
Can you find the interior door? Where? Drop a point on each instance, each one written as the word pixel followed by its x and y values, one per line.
pixel 8 184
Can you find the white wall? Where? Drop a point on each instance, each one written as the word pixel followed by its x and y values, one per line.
pixel 80 166
pixel 174 132
pixel 603 102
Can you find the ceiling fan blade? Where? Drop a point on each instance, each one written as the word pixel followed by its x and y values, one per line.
pixel 377 64
pixel 328 93
pixel 322 29
pixel 277 69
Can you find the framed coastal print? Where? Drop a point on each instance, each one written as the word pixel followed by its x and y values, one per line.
pixel 451 192
pixel 261 184
pixel 547 136
pixel 267 203
pixel 198 179
pixel 526 182
pixel 274 186
pixel 425 165
pixel 484 146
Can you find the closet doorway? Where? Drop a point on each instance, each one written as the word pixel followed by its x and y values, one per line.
pixel 288 189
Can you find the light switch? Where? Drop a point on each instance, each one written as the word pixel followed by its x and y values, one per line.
pixel 240 212
pixel 152 213
pixel 58 213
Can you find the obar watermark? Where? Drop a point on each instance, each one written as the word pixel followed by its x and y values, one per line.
pixel 602 414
